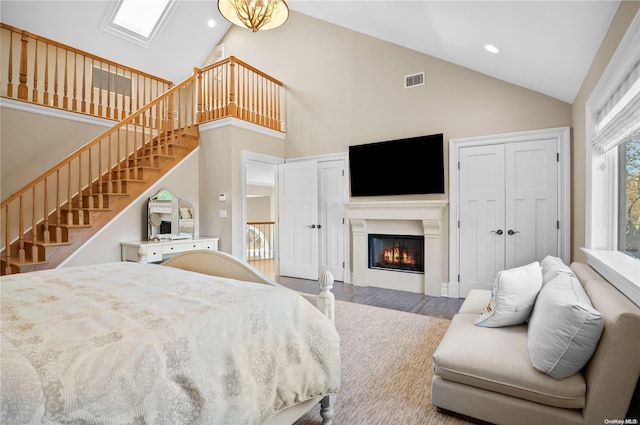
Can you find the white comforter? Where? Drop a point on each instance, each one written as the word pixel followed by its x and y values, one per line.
pixel 129 343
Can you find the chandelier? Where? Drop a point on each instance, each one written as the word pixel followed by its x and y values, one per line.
pixel 254 14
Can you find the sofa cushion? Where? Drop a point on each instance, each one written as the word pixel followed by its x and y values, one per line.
pixel 512 297
pixel 552 267
pixel 564 328
pixel 497 359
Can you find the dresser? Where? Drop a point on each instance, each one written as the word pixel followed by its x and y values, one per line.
pixel 152 252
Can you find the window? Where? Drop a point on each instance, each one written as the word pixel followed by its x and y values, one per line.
pixel 612 233
pixel 138 21
pixel 629 196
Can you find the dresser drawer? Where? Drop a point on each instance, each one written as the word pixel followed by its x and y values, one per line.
pixel 176 247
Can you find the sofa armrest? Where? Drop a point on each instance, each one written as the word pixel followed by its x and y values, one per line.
pixel 476 301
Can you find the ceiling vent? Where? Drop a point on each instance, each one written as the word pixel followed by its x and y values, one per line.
pixel 414 80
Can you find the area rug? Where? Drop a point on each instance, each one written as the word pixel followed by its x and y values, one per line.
pixel 386 368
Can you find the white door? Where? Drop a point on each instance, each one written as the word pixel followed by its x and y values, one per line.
pixel 531 228
pixel 331 214
pixel 482 215
pixel 298 210
pixel 508 197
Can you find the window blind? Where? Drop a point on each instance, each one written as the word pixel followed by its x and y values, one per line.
pixel 620 115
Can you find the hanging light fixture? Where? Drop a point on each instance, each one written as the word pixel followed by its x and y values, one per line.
pixel 255 14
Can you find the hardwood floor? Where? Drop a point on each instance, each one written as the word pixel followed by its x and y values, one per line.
pixel 379 297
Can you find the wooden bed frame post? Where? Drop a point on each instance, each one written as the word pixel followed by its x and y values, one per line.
pixel 326 410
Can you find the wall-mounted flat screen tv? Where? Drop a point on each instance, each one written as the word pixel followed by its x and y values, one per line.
pixel 409 166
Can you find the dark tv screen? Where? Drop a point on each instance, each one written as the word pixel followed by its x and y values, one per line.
pixel 398 167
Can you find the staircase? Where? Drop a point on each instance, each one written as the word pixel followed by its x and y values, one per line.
pixel 47 220
pixel 66 230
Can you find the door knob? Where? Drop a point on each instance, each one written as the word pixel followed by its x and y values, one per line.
pixel 319 226
pixel 313 226
pixel 512 232
pixel 497 232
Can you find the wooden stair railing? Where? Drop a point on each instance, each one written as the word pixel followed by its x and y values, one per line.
pixel 233 88
pixel 47 220
pixel 44 72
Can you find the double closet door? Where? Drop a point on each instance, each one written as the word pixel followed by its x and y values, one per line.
pixel 508 208
pixel 311 208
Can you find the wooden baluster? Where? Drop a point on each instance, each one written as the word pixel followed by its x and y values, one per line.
pixel 80 203
pixel 34 228
pixel 111 188
pixel 108 114
pixel 65 98
pixel 115 94
pixel 278 112
pixel 69 206
pixel 58 212
pixel 83 103
pixel 46 235
pixel 74 101
pixel 7 240
pixel 124 91
pixel 232 93
pixel 200 97
pixel 10 63
pixel 23 91
pixel 99 188
pixel 119 176
pixel 90 200
pixel 45 99
pixel 34 93
pixel 21 252
pixel 55 80
pixel 100 91
pixel 92 105
pixel 127 168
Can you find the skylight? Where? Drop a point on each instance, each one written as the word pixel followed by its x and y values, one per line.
pixel 140 16
pixel 138 20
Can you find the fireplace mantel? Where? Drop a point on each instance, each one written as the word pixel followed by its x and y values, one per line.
pixel 427 217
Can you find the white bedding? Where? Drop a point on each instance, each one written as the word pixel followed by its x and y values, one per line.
pixel 129 343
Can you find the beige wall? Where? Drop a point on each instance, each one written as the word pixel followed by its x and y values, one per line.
pixel 221 172
pixel 626 12
pixel 30 144
pixel 346 88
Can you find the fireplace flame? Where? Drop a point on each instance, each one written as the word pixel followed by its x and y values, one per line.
pixel 396 256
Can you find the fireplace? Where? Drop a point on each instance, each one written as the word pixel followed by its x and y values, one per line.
pixel 404 253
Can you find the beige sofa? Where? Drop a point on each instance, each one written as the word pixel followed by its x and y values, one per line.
pixel 486 373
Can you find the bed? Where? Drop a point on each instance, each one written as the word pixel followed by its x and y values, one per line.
pixel 202 339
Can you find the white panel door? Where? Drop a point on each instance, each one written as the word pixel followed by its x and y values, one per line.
pixel 331 216
pixel 482 215
pixel 298 210
pixel 532 201
pixel 508 208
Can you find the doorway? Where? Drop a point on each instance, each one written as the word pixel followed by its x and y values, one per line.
pixel 260 212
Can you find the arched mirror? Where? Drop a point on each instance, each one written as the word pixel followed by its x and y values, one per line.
pixel 169 217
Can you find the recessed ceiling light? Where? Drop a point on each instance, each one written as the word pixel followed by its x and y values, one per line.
pixel 211 23
pixel 491 48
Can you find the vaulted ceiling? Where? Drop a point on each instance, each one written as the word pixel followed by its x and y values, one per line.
pixel 546 46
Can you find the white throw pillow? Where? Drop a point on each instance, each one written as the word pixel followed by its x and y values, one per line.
pixel 552 267
pixel 564 328
pixel 512 298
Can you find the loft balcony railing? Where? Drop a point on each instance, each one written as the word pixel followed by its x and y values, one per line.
pixel 44 72
pixel 151 115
